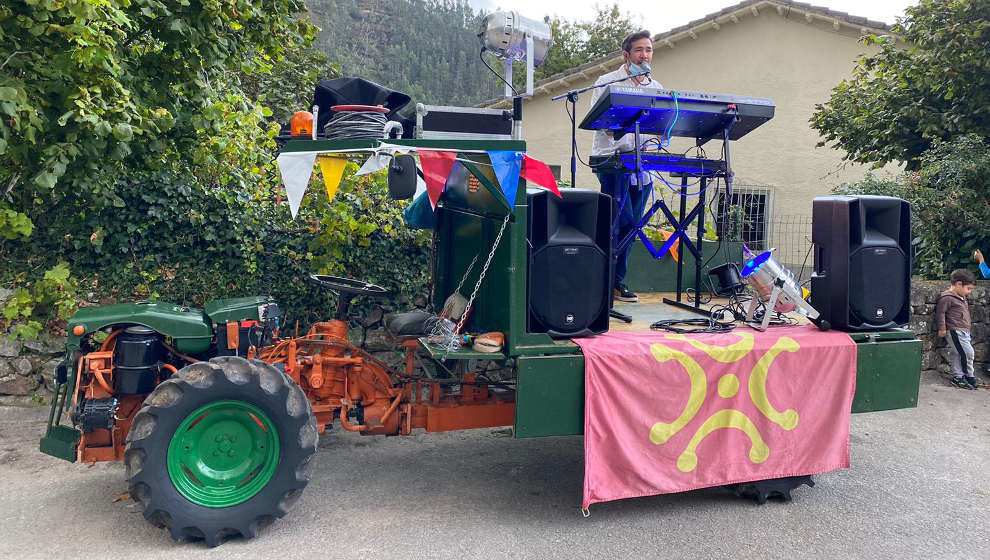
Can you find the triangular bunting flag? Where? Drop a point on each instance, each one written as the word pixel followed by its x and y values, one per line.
pixel 420 186
pixel 333 169
pixel 376 162
pixel 538 172
pixel 507 165
pixel 296 169
pixel 436 169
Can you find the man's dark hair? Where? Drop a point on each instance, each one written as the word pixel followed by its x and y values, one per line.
pixel 962 275
pixel 633 37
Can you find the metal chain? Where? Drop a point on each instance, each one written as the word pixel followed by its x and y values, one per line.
pixel 466 273
pixel 484 270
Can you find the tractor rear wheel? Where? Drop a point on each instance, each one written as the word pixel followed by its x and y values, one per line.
pixel 220 449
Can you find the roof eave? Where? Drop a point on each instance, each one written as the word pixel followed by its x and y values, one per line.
pixel 711 22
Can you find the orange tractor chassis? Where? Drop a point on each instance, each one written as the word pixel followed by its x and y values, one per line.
pixel 338 378
pixel 335 374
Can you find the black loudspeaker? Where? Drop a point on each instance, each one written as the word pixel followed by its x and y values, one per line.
pixel 570 262
pixel 862 278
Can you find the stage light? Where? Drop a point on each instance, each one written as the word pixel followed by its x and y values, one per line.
pixel 515 38
pixel 727 277
pixel 777 287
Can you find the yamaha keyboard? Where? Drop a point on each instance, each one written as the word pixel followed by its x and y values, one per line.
pixel 668 163
pixel 690 114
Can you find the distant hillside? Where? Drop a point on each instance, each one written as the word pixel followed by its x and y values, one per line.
pixel 427 49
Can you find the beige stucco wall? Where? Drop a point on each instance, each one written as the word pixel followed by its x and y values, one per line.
pixel 789 60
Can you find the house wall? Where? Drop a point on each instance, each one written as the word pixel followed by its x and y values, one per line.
pixel 789 60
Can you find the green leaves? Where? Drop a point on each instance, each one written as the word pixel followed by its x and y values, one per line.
pixel 97 89
pixel 948 195
pixel 46 179
pixel 932 84
pixel 33 304
pixel 123 132
pixel 14 224
pixel 9 94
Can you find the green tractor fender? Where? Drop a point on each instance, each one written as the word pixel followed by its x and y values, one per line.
pixel 189 328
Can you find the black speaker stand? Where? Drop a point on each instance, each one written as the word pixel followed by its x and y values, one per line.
pixel 619 315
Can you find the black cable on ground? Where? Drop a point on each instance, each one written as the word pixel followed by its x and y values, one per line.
pixel 686 326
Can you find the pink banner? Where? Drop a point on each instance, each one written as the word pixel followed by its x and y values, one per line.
pixel 658 405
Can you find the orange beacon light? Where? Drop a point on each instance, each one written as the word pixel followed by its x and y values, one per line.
pixel 302 124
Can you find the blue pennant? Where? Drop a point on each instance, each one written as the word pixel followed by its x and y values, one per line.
pixel 507 165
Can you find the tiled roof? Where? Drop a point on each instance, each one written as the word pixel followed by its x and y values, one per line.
pixel 714 20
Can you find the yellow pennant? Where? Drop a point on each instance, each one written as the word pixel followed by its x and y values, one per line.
pixel 333 169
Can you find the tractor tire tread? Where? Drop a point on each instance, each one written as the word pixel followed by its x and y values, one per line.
pixel 201 383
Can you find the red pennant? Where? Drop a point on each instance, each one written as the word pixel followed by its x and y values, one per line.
pixel 436 169
pixel 538 172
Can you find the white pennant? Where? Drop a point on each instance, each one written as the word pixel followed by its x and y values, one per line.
pixel 296 169
pixel 420 186
pixel 376 162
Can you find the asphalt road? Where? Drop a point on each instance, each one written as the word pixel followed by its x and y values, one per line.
pixel 917 489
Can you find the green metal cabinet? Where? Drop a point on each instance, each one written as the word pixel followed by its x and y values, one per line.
pixel 888 370
pixel 549 395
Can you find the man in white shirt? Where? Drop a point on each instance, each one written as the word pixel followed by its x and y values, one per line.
pixel 630 192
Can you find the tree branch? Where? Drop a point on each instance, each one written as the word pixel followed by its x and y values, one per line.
pixel 12 55
pixel 10 184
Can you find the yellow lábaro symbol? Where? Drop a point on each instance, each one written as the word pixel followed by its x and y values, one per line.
pixel 758 385
pixel 726 418
pixel 724 354
pixel 728 387
pixel 661 431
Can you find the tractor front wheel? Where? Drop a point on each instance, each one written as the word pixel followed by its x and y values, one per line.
pixel 220 449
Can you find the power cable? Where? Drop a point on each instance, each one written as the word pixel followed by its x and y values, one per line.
pixel 481 55
pixel 355 124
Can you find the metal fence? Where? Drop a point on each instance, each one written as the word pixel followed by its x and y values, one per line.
pixel 750 218
pixel 791 236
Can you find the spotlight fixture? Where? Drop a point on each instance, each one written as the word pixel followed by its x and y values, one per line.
pixel 727 276
pixel 514 38
pixel 777 287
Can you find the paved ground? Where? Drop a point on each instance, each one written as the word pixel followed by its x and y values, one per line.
pixel 917 489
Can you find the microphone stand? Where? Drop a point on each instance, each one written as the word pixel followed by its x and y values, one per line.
pixel 572 97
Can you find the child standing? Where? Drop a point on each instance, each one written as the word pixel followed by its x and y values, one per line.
pixel 952 318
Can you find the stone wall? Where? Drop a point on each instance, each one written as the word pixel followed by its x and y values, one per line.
pixel 27 369
pixel 935 351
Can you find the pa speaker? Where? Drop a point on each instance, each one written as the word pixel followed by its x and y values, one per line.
pixel 570 262
pixel 862 278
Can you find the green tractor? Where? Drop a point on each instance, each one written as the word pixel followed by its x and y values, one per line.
pixel 216 413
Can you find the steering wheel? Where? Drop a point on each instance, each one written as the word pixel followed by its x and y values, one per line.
pixel 346 289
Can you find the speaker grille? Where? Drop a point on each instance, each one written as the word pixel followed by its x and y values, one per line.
pixel 876 285
pixel 567 293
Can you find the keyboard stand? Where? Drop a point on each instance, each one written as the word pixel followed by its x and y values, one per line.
pixel 681 226
pixel 705 117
